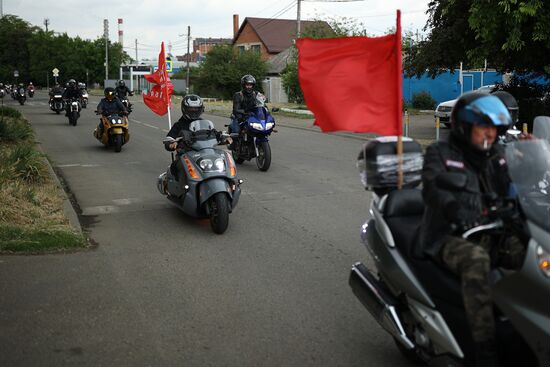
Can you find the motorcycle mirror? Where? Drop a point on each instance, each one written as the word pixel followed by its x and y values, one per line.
pixel 541 127
pixel 451 181
pixel 275 109
pixel 168 139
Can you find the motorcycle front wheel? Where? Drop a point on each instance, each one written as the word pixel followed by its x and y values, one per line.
pixel 219 212
pixel 74 118
pixel 263 160
pixel 118 143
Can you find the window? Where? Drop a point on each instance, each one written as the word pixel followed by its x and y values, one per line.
pixel 256 49
pixel 241 49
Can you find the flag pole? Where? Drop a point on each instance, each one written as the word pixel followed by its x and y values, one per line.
pixel 399 103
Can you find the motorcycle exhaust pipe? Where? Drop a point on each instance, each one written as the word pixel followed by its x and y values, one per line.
pixel 379 303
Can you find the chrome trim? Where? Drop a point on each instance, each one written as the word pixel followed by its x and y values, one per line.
pixel 493 225
pixel 435 326
pixel 381 225
pixel 390 320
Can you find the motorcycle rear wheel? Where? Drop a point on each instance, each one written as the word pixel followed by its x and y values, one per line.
pixel 263 160
pixel 219 212
pixel 118 143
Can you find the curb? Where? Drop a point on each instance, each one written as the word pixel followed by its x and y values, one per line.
pixel 68 208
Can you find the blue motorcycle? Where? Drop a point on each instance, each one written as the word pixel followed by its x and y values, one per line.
pixel 253 140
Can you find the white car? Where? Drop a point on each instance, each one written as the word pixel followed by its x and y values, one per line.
pixel 443 110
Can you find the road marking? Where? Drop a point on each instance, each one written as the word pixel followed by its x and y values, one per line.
pixel 78 165
pixel 127 201
pixel 99 210
pixel 154 127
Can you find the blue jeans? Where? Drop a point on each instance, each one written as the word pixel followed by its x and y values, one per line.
pixel 235 126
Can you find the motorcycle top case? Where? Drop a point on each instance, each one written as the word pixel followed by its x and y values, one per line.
pixel 378 164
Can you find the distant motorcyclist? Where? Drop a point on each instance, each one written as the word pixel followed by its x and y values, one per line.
pixel 108 106
pixel 122 91
pixel 71 92
pixel 244 101
pixel 470 151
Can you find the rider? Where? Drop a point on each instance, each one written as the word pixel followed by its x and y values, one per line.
pixel 56 90
pixel 71 92
pixel 243 102
pixel 122 91
pixel 471 151
pixel 108 106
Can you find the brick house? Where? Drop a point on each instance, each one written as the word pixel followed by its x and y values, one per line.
pixel 267 36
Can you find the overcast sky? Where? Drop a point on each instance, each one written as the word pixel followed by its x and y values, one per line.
pixel 149 23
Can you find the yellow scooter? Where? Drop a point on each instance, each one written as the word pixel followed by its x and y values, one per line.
pixel 115 131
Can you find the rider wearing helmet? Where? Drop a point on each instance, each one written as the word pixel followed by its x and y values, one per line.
pixel 122 91
pixel 243 102
pixel 72 92
pixel 108 106
pixel 192 108
pixel 451 209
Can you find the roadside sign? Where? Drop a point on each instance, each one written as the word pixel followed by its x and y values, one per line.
pixel 16 74
pixel 55 72
pixel 169 66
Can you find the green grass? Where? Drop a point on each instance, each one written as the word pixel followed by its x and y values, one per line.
pixel 23 162
pixel 13 127
pixel 10 112
pixel 15 239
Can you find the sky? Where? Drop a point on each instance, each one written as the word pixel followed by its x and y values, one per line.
pixel 150 23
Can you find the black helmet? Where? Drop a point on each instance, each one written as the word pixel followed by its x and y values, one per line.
pixel 109 93
pixel 475 108
pixel 510 103
pixel 71 83
pixel 250 80
pixel 192 107
pixel 121 83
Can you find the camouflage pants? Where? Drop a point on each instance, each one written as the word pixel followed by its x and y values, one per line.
pixel 472 263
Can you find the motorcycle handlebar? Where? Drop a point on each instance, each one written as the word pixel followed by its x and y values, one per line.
pixel 484 227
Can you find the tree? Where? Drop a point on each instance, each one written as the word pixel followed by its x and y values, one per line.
pixel 220 74
pixel 510 34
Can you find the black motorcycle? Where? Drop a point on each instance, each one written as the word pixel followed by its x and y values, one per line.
pixel 73 111
pixel 21 96
pixel 57 104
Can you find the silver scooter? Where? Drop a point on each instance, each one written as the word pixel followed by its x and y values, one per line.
pixel 420 304
pixel 206 182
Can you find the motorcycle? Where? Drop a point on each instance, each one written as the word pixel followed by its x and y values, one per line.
pixel 253 140
pixel 115 131
pixel 57 104
pixel 206 183
pixel 126 103
pixel 84 99
pixel 2 92
pixel 418 302
pixel 21 96
pixel 74 111
pixel 30 92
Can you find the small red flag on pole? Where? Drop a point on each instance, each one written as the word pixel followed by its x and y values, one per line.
pixel 353 83
pixel 159 97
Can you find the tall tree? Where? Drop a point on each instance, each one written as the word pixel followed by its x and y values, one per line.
pixel 510 34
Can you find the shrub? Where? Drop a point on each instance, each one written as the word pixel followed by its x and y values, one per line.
pixel 423 101
pixel 10 112
pixel 25 163
pixel 14 128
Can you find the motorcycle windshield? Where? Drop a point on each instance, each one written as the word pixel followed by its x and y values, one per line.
pixel 529 168
pixel 259 114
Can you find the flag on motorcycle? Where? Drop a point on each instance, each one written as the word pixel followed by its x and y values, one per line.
pixel 159 97
pixel 353 83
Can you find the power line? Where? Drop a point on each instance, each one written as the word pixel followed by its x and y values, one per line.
pixel 278 14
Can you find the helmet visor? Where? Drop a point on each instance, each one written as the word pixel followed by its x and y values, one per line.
pixel 487 110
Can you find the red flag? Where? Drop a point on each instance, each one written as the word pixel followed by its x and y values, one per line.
pixel 353 83
pixel 159 97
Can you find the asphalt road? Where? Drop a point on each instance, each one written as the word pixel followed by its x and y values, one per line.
pixel 161 289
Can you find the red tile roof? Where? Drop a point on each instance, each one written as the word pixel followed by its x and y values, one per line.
pixel 276 34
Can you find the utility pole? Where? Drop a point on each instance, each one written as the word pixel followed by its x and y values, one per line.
pixel 298 20
pixel 188 57
pixel 46 23
pixel 136 53
pixel 106 36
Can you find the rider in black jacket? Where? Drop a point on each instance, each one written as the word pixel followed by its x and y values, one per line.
pixel 470 151
pixel 122 91
pixel 72 91
pixel 244 101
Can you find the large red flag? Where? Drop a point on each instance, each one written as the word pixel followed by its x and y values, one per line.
pixel 159 97
pixel 353 83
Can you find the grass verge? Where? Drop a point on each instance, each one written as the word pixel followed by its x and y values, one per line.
pixel 32 219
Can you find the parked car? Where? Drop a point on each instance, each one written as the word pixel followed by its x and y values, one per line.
pixel 443 110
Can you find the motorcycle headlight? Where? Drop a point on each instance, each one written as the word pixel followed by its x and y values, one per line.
pixel 543 260
pixel 209 165
pixel 256 126
pixel 269 125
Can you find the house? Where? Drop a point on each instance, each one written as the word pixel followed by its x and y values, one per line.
pixel 268 36
pixel 201 46
pixel 272 38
